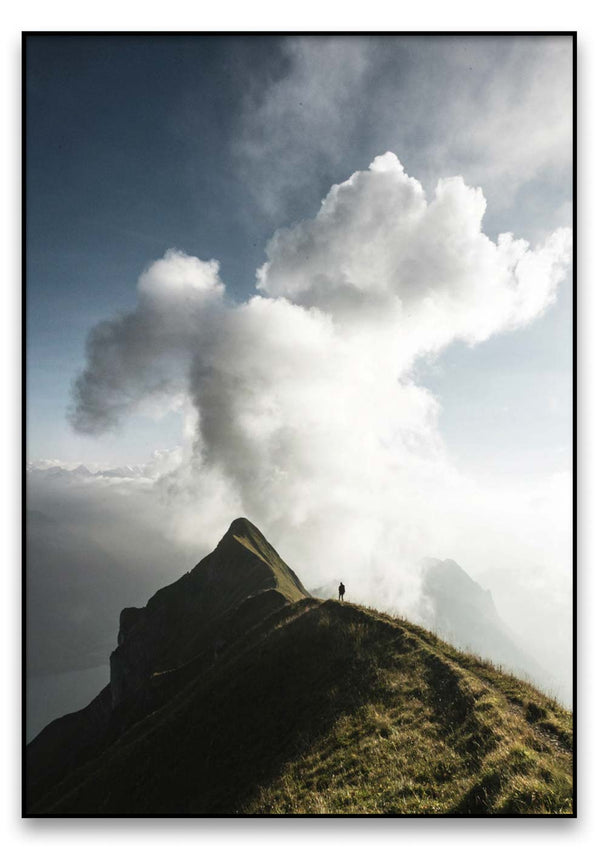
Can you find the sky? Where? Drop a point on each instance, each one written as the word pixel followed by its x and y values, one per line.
pixel 274 275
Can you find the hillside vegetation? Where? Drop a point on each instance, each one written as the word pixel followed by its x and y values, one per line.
pixel 314 707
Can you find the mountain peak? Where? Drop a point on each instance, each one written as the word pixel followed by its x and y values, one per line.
pixel 272 571
pixel 242 525
pixel 243 573
pixel 245 532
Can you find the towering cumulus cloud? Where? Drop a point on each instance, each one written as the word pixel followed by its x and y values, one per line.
pixel 307 417
pixel 377 247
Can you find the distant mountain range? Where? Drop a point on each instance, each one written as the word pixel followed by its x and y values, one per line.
pixel 54 469
pixel 233 691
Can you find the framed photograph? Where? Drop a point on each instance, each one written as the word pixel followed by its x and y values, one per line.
pixel 299 424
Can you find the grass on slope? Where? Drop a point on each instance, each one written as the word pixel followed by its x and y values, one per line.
pixel 330 708
pixel 443 733
pixel 475 740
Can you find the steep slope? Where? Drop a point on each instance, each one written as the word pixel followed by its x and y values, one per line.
pixel 305 707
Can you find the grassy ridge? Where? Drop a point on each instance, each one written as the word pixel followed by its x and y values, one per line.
pixel 331 708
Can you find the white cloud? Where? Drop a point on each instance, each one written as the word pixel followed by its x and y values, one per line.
pixel 305 416
pixel 135 361
pixel 181 279
pixel 378 249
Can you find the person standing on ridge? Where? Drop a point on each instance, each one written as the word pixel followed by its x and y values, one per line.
pixel 341 591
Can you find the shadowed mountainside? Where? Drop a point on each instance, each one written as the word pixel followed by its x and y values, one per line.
pixel 233 691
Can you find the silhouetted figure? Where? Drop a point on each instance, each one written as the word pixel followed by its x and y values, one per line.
pixel 341 591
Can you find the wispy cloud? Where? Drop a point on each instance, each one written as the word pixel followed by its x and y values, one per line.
pixel 496 110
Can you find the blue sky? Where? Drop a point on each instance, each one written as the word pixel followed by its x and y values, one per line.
pixel 208 145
